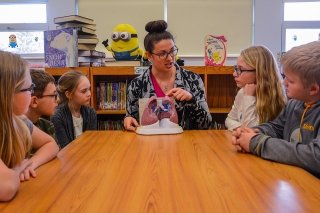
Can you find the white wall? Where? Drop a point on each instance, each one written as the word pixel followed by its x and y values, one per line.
pixel 188 20
pixel 56 8
pixel 266 28
pixel 267 24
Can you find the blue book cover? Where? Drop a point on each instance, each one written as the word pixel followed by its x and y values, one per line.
pixel 61 48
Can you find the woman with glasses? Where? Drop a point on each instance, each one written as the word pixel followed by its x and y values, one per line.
pixel 165 78
pixel 17 134
pixel 44 101
pixel 261 96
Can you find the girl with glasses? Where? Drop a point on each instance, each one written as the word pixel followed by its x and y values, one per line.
pixel 261 96
pixel 165 78
pixel 17 134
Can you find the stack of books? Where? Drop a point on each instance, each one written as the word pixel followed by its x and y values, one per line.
pixel 86 28
pixel 74 33
pixel 91 58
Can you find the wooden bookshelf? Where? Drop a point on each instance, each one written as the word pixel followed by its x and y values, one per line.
pixel 58 71
pixel 219 110
pixel 111 112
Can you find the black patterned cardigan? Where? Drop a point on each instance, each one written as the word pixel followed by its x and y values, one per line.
pixel 193 114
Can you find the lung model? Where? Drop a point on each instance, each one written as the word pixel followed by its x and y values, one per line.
pixel 159 109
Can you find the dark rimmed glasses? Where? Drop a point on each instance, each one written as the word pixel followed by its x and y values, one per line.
pixel 55 96
pixel 239 71
pixel 30 89
pixel 164 55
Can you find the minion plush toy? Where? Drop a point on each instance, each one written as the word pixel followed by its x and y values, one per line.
pixel 13 41
pixel 125 43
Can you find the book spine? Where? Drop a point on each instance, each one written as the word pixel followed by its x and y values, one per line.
pixel 102 95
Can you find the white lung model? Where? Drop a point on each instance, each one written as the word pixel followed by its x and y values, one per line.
pixel 158 116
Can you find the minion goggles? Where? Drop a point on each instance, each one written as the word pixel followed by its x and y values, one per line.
pixel 124 36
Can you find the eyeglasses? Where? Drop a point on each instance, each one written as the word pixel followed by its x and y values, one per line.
pixel 125 36
pixel 164 55
pixel 53 95
pixel 30 89
pixel 238 70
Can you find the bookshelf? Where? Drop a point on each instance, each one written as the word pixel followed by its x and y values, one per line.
pixel 218 80
pixel 56 72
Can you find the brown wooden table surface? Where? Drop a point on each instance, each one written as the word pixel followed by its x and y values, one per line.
pixel 196 171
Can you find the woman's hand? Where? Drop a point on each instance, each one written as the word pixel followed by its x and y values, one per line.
pixel 130 123
pixel 179 94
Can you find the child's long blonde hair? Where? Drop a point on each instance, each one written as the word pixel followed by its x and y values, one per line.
pixel 15 139
pixel 271 98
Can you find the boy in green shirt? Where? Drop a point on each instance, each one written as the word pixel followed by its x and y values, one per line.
pixel 43 101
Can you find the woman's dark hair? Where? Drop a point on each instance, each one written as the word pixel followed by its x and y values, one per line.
pixel 157 31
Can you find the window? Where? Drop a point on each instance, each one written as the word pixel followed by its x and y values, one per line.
pixel 301 23
pixel 21 26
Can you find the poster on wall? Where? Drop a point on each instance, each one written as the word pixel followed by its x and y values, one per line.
pixel 215 50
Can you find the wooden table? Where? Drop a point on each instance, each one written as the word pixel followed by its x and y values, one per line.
pixel 196 171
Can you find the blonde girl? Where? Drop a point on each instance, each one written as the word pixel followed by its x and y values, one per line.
pixel 17 134
pixel 261 96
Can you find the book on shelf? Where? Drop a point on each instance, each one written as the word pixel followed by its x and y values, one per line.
pixel 111 95
pixel 88 40
pixel 86 46
pixel 215 52
pixel 73 19
pixel 87 36
pixel 91 64
pixel 85 31
pixel 114 95
pixel 92 53
pixel 60 48
pixel 101 95
pixel 70 24
pixel 122 63
pixel 110 125
pixel 90 59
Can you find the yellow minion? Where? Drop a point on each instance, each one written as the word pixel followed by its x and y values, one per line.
pixel 13 41
pixel 125 43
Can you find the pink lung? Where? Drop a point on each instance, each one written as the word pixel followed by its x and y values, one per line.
pixel 150 115
pixel 168 110
pixel 158 109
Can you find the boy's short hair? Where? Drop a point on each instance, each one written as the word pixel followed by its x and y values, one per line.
pixel 41 79
pixel 304 60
